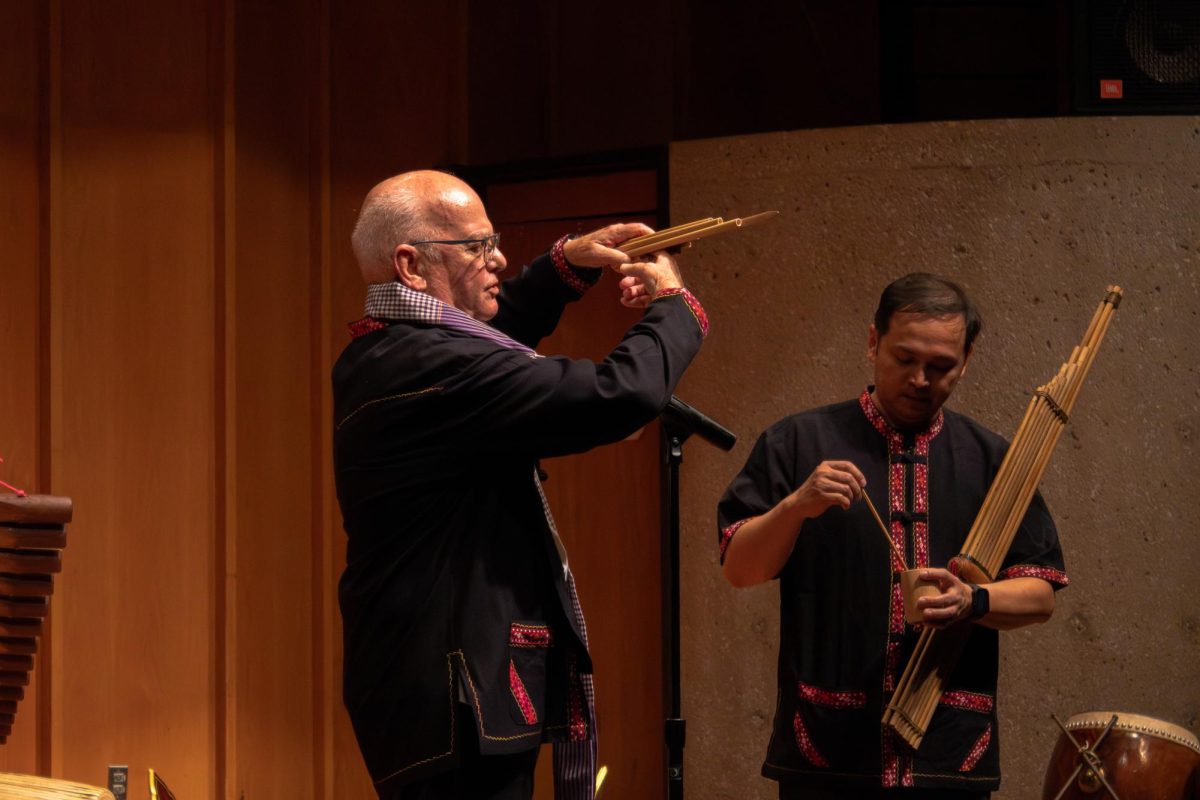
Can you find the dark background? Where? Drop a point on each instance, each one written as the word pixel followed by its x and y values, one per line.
pixel 551 80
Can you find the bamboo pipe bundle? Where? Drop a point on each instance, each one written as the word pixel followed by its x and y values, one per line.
pixel 937 651
pixel 689 232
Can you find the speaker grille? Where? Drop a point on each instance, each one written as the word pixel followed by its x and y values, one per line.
pixel 1151 47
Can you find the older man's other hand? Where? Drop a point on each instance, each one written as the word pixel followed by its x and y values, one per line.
pixel 597 249
pixel 644 279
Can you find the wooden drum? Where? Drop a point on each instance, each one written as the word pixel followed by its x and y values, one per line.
pixel 1138 758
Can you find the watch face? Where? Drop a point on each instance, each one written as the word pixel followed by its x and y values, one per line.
pixel 979 602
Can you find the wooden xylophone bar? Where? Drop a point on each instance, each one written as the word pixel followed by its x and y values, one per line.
pixel 32 537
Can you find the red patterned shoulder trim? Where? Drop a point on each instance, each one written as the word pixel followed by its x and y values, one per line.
pixel 1033 571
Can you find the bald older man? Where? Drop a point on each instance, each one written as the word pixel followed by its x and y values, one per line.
pixel 465 647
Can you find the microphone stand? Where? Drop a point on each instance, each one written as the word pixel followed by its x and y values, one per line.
pixel 679 422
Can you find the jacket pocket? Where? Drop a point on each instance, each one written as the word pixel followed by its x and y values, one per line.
pixel 528 645
pixel 823 720
pixel 963 733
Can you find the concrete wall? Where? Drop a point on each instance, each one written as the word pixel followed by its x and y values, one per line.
pixel 1035 218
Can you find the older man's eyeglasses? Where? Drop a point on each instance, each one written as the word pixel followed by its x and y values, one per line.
pixel 475 248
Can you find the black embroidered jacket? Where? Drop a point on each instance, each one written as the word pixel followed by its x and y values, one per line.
pixel 453 587
pixel 844 639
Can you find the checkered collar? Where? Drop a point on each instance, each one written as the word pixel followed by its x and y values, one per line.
pixel 393 302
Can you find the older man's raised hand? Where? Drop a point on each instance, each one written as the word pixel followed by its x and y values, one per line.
pixel 598 248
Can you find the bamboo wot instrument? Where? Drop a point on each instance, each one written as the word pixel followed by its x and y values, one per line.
pixel 937 651
pixel 690 232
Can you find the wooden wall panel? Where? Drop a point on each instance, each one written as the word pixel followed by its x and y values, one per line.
pixel 22 43
pixel 133 394
pixel 271 400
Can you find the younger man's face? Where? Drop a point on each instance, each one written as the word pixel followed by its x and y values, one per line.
pixel 917 364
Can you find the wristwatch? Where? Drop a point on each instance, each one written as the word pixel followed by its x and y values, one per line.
pixel 980 602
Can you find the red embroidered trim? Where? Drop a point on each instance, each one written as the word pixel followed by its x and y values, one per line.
pixel 887 431
pixel 921 544
pixel 891 763
pixel 981 746
pixel 577 727
pixel 897 625
pixel 969 701
pixel 693 305
pixel 897 768
pixel 896 487
pixel 825 697
pixel 805 743
pixel 921 495
pixel 1032 571
pixel 529 635
pixel 558 255
pixel 364 326
pixel 893 667
pixel 921 491
pixel 924 439
pixel 727 535
pixel 520 695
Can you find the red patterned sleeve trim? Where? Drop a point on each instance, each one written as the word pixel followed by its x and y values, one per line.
pixel 981 746
pixel 1054 576
pixel 969 701
pixel 521 635
pixel 727 535
pixel 572 276
pixel 520 695
pixel 825 697
pixel 692 303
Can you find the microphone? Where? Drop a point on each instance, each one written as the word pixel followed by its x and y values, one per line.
pixel 682 417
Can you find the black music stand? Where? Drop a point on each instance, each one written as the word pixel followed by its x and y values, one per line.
pixel 679 422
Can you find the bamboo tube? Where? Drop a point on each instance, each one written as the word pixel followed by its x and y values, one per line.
pixel 990 537
pixel 689 232
pixel 667 233
pixel 989 502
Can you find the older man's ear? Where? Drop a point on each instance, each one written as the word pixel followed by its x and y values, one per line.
pixel 404 264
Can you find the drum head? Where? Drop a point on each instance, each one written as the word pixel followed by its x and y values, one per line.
pixel 1135 723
